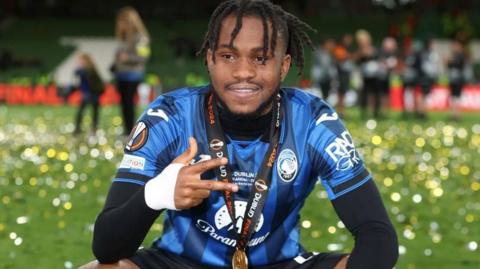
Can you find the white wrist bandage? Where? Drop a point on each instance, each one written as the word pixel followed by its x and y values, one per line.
pixel 160 190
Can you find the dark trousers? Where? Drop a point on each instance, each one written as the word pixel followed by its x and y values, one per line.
pixel 94 100
pixel 325 88
pixel 127 90
pixel 371 90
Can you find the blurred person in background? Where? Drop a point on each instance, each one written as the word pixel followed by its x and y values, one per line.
pixel 324 72
pixel 91 87
pixel 130 59
pixel 388 59
pixel 367 61
pixel 410 66
pixel 428 69
pixel 456 65
pixel 345 66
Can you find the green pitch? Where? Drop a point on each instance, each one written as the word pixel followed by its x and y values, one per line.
pixel 52 185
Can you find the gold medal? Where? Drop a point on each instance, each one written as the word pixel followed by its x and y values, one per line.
pixel 239 260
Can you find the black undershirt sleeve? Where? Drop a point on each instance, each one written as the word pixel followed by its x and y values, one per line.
pixel 363 213
pixel 123 223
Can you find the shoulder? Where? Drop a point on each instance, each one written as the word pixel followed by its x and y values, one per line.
pixel 174 105
pixel 311 106
pixel 163 121
pixel 299 97
pixel 321 122
pixel 180 97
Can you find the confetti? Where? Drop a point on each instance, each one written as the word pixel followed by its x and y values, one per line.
pixel 427 173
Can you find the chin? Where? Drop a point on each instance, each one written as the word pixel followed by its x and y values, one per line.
pixel 244 113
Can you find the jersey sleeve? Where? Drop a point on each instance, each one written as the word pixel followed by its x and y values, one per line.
pixel 335 160
pixel 151 145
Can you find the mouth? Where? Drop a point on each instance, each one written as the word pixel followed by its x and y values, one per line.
pixel 243 91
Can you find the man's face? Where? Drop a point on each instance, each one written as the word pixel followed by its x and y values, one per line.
pixel 240 78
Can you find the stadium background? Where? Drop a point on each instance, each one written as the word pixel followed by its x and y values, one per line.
pixel 52 185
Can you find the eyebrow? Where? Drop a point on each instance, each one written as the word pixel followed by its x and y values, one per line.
pixel 236 49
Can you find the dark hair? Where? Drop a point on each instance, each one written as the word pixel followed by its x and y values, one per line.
pixel 293 30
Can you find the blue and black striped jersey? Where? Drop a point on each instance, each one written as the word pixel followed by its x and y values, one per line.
pixel 314 146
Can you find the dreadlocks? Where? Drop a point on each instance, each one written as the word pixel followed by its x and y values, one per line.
pixel 292 29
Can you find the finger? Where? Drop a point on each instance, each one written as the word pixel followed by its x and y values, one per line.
pixel 200 193
pixel 204 166
pixel 213 185
pixel 196 202
pixel 189 154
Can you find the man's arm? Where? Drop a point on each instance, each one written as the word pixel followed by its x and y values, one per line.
pixel 131 209
pixel 123 223
pixel 352 191
pixel 363 213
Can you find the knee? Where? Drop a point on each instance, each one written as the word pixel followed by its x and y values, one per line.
pixel 90 265
pixel 96 265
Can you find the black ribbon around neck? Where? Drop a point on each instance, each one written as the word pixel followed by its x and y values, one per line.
pixel 217 144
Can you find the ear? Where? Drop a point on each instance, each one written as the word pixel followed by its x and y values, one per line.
pixel 209 59
pixel 286 62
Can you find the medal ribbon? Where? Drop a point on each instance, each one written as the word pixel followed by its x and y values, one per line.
pixel 261 185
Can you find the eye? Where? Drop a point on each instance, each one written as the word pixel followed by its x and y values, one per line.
pixel 227 57
pixel 261 60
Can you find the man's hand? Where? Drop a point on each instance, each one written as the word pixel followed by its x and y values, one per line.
pixel 190 190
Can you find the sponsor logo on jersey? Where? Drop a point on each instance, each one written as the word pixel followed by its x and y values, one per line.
pixel 343 152
pixel 138 137
pixel 132 162
pixel 260 185
pixel 157 112
pixel 216 144
pixel 224 225
pixel 287 165
pixel 327 117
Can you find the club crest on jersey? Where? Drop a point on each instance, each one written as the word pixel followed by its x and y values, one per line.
pixel 138 137
pixel 343 152
pixel 287 165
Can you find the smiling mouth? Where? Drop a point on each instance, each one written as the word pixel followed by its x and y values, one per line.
pixel 243 90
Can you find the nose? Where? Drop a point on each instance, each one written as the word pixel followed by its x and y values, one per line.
pixel 244 70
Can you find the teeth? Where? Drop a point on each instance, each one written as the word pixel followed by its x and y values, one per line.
pixel 243 90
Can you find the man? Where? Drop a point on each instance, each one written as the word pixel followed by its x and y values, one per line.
pixel 324 72
pixel 388 63
pixel 343 53
pixel 265 145
pixel 367 61
pixel 456 65
pixel 429 65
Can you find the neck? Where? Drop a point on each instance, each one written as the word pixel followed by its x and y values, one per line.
pixel 245 128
